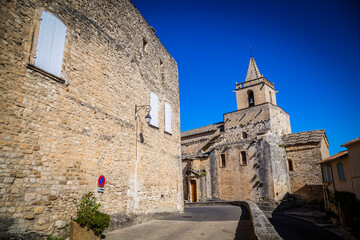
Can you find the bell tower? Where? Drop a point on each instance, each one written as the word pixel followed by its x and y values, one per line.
pixel 255 90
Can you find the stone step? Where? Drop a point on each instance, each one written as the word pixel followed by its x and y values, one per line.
pixel 266 208
pixel 268 204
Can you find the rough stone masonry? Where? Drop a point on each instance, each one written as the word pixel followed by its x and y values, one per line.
pixel 252 154
pixel 60 133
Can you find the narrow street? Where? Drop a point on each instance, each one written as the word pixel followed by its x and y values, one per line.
pixel 209 222
pixel 295 229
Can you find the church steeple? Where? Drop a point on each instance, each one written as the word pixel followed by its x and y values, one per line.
pixel 253 71
pixel 255 90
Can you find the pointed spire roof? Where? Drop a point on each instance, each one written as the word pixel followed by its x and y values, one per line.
pixel 253 71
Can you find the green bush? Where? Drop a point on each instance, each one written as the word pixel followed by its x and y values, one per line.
pixel 55 238
pixel 89 215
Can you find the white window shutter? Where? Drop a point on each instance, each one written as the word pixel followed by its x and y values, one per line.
pixel 50 45
pixel 167 117
pixel 154 103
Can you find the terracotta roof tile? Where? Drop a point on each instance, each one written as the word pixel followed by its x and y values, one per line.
pixel 299 138
pixel 351 142
pixel 334 157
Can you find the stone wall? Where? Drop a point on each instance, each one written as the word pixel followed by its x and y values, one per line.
pixel 265 176
pixel 280 120
pixel 304 158
pixel 263 92
pixel 57 139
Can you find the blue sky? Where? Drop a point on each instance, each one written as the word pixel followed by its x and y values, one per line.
pixel 309 49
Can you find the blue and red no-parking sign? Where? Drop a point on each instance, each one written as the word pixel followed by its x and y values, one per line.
pixel 101 181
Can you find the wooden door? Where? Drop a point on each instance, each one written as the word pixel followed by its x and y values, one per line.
pixel 193 191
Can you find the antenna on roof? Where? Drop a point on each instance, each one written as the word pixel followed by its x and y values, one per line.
pixel 250 52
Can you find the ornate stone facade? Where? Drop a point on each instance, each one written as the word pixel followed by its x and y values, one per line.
pixel 246 156
pixel 61 130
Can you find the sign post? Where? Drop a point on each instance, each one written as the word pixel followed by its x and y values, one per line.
pixel 101 183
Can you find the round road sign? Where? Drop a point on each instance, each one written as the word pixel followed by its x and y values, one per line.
pixel 101 181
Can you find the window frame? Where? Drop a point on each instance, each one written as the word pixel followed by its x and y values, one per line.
pixel 242 159
pixel 222 160
pixel 32 65
pixel 343 172
pixel 167 119
pixel 328 173
pixel 290 160
pixel 323 173
pixel 251 95
pixel 154 112
pixel 244 135
pixel 51 31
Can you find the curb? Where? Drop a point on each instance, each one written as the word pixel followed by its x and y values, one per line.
pixel 262 227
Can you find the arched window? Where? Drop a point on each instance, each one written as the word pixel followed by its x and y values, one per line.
pixel 251 98
pixel 50 45
pixel 290 165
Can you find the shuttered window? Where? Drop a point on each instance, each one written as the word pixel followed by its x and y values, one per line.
pixel 167 117
pixel 341 171
pixel 323 173
pixel 154 103
pixel 328 173
pixel 50 45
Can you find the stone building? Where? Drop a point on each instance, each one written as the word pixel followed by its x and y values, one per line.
pixel 71 75
pixel 341 176
pixel 252 154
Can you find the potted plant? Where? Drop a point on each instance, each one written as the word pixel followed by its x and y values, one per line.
pixel 89 223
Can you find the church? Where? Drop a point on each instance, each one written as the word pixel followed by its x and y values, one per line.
pixel 252 154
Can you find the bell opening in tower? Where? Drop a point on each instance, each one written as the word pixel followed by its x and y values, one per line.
pixel 251 98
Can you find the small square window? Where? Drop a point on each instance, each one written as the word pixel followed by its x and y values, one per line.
pixel 244 135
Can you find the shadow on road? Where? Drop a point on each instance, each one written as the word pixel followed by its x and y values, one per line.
pixel 208 213
pixel 245 229
pixel 295 229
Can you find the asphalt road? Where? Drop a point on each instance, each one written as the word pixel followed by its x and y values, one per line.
pixel 295 229
pixel 210 222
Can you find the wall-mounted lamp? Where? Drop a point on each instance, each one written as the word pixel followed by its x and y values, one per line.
pixel 147 109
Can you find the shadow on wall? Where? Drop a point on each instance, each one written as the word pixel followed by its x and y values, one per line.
pixel 245 229
pixel 309 196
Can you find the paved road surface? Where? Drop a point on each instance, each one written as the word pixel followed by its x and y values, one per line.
pixel 210 222
pixel 295 229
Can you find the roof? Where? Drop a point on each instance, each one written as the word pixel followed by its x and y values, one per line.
pixel 193 155
pixel 334 157
pixel 300 138
pixel 356 140
pixel 253 71
pixel 208 128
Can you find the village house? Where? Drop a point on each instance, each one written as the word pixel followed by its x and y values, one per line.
pixel 252 154
pixel 78 79
pixel 341 183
